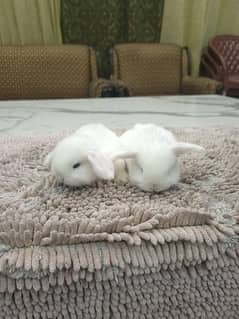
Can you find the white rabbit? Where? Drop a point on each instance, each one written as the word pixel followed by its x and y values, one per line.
pixel 86 155
pixel 155 166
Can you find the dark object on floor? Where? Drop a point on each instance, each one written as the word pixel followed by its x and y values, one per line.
pixel 220 61
pixel 113 91
pixel 109 88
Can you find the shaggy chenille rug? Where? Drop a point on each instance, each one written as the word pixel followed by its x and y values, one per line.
pixel 113 251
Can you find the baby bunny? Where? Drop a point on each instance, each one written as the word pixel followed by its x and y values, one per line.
pixel 155 166
pixel 86 155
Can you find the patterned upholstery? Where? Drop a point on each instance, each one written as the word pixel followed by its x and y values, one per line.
pixel 32 72
pixel 228 48
pixel 220 61
pixel 148 69
pixel 157 69
pixel 200 85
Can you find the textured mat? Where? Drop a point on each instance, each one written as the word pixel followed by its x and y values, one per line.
pixel 113 251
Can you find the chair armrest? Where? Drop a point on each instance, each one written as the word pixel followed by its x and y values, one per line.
pixel 217 57
pixel 211 72
pixel 200 85
pixel 93 65
pixel 214 65
pixel 108 88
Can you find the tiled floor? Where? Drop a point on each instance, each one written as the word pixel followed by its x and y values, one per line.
pixel 28 117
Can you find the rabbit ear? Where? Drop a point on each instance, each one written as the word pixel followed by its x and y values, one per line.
pixel 48 160
pixel 122 154
pixel 102 165
pixel 181 148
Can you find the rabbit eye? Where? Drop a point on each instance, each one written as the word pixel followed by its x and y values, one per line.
pixel 76 165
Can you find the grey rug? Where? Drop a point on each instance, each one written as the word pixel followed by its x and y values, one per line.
pixel 113 251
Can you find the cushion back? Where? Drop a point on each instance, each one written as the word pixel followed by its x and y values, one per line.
pixel 149 69
pixel 33 72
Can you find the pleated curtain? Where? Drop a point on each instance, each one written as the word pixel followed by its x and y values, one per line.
pixel 193 22
pixel 30 22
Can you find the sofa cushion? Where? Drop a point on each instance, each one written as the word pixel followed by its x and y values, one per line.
pixel 32 72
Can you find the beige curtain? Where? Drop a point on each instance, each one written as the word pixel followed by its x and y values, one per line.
pixel 30 22
pixel 193 22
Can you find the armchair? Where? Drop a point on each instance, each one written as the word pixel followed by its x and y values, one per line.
pixel 157 69
pixel 220 61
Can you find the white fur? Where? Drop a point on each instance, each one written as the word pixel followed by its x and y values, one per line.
pixel 155 166
pixel 94 147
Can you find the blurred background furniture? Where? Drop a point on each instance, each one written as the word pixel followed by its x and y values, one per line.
pixel 158 69
pixel 108 88
pixel 50 71
pixel 220 61
pixel 70 71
